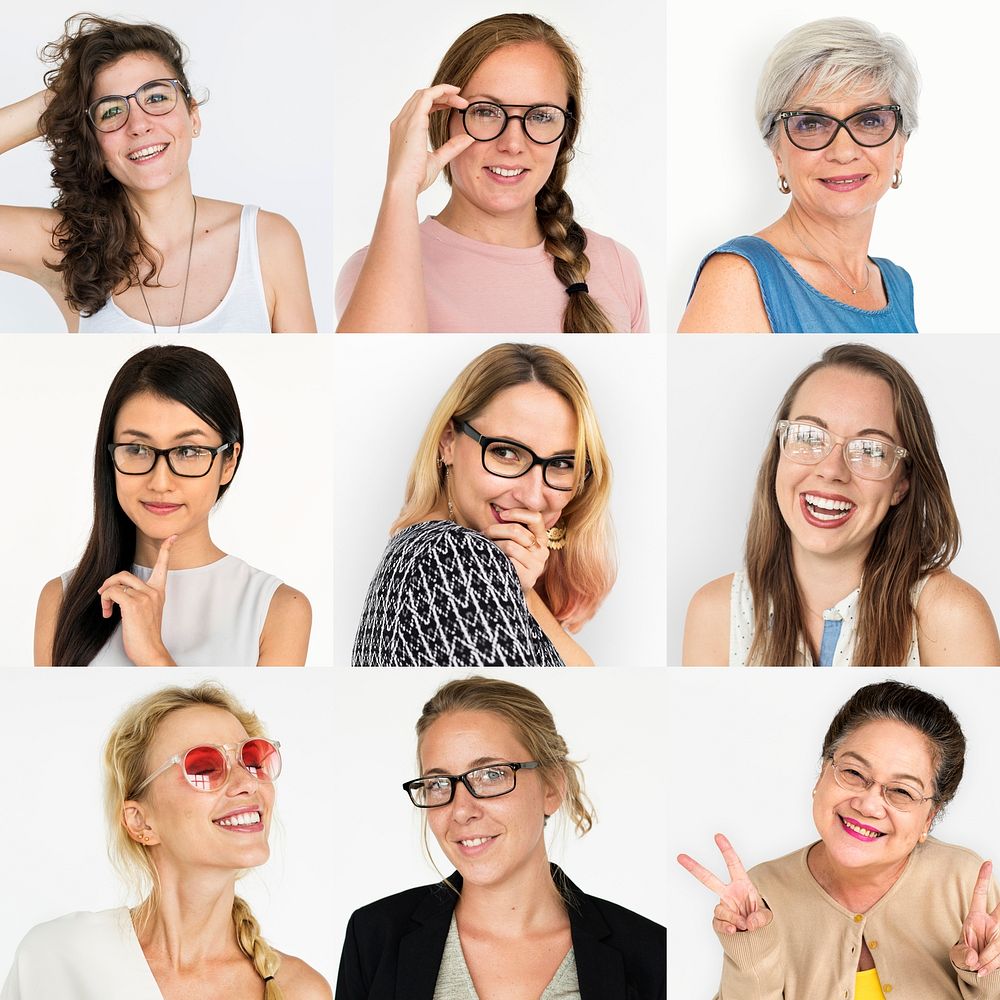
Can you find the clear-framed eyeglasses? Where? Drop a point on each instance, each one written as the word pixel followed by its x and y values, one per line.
pixel 542 123
pixel 511 460
pixel 812 130
pixel 486 782
pixel 866 457
pixel 158 97
pixel 206 767
pixel 898 794
pixel 186 460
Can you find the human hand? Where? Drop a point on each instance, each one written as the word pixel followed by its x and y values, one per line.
pixel 978 949
pixel 523 539
pixel 412 166
pixel 740 907
pixel 140 603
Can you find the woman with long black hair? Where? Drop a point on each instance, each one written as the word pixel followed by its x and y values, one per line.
pixel 152 588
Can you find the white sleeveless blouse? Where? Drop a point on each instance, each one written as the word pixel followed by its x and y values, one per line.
pixel 212 617
pixel 243 309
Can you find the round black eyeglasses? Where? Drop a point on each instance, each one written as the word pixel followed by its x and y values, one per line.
pixel 542 123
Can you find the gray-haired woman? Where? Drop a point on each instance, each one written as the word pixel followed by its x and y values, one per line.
pixel 835 104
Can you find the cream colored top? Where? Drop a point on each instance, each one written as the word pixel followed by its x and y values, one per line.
pixel 810 950
pixel 455 983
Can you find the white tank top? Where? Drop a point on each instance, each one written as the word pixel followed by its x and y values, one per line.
pixel 243 308
pixel 213 615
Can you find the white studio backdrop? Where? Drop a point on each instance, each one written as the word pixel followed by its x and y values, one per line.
pixel 54 834
pixel 276 515
pixel 385 389
pixel 744 755
pixel 723 393
pixel 722 180
pixel 384 52
pixel 266 137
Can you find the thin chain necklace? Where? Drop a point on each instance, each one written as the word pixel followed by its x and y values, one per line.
pixel 854 291
pixel 187 274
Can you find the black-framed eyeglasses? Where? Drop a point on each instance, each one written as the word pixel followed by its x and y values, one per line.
pixel 481 782
pixel 512 460
pixel 867 457
pixel 897 794
pixel 158 97
pixel 871 127
pixel 187 460
pixel 542 123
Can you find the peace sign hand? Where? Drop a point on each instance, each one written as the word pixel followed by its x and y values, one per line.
pixel 740 906
pixel 978 949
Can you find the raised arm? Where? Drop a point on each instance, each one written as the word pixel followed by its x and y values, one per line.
pixel 388 296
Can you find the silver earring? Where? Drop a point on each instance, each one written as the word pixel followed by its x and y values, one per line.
pixel 897 178
pixel 783 185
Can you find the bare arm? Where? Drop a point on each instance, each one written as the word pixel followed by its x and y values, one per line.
pixel 285 639
pixel 706 629
pixel 389 294
pixel 283 267
pixel 49 603
pixel 571 652
pixel 955 627
pixel 726 299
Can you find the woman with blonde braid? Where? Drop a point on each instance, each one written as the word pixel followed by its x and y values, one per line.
pixel 189 797
pixel 505 254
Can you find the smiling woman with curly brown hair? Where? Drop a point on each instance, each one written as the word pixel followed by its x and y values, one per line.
pixel 127 247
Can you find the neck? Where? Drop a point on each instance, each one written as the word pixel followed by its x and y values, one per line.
pixel 165 215
pixel 508 229
pixel 525 901
pixel 192 549
pixel 857 889
pixel 823 581
pixel 192 920
pixel 842 242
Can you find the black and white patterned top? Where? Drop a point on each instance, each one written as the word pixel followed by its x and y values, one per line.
pixel 445 595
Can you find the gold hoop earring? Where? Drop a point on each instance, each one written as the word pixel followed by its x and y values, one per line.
pixel 897 179
pixel 783 185
pixel 556 535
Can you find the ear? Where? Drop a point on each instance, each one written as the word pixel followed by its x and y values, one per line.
pixel 900 149
pixel 555 792
pixel 229 463
pixel 134 821
pixel 898 494
pixel 777 160
pixel 195 120
pixel 446 444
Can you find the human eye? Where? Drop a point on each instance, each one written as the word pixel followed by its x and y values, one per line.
pixel 563 464
pixel 135 450
pixel 542 116
pixel 486 112
pixel 491 775
pixel 506 453
pixel 805 124
pixel 872 121
pixel 902 794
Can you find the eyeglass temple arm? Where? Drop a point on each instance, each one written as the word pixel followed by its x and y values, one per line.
pixel 176 759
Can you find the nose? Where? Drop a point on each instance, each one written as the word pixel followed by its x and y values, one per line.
pixel 138 120
pixel 843 149
pixel 241 781
pixel 834 466
pixel 513 138
pixel 870 802
pixel 465 805
pixel 530 489
pixel 161 479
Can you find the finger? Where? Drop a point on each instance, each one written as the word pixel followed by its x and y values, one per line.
pixel 732 859
pixel 119 595
pixel 730 916
pixel 122 579
pixel 723 928
pixel 514 532
pixel 158 578
pixel 443 155
pixel 701 873
pixel 758 919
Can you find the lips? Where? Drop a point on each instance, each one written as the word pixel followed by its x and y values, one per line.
pixel 844 182
pixel 859 831
pixel 505 175
pixel 161 509
pixel 826 510
pixel 246 820
pixel 471 847
pixel 497 512
pixel 148 152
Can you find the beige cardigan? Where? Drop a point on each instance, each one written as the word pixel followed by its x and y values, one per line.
pixel 810 949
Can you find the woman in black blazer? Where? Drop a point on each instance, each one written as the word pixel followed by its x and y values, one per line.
pixel 506 923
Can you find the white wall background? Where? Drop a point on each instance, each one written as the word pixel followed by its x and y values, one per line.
pixel 385 389
pixel 275 516
pixel 385 51
pixel 725 390
pixel 743 753
pixel 266 139
pixel 721 177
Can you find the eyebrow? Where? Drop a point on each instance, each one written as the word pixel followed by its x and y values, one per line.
pixel 496 100
pixel 179 437
pixel 822 423
pixel 895 777
pixel 478 762
pixel 816 109
pixel 563 453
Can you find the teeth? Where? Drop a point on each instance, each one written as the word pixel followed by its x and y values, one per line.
pixel 505 173
pixel 475 842
pixel 241 819
pixel 870 834
pixel 145 154
pixel 820 504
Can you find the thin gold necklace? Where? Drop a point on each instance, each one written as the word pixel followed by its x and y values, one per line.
pixel 854 291
pixel 187 275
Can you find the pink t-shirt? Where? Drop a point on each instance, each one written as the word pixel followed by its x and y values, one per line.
pixel 475 287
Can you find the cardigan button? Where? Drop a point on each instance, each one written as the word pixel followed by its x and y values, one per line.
pixel 872 945
pixel 887 987
pixel 858 918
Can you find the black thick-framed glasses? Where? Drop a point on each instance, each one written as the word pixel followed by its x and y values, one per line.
pixel 487 782
pixel 512 460
pixel 542 123
pixel 158 97
pixel 190 461
pixel 812 130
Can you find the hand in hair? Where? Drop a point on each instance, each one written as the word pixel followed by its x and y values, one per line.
pixel 978 949
pixel 412 165
pixel 740 906
pixel 140 603
pixel 523 539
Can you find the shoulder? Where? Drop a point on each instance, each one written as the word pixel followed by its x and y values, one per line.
pixel 954 624
pixel 604 247
pixel 49 602
pixel 284 638
pixel 276 234
pixel 706 628
pixel 440 542
pixel 289 607
pixel 384 918
pixel 726 296
pixel 348 278
pixel 786 876
pixel 942 857
pixel 643 932
pixel 51 596
pixel 300 981
pixel 73 933
pixel 891 270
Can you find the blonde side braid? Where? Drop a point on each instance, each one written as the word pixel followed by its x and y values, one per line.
pixel 265 959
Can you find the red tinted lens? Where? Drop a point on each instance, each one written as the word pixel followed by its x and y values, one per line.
pixel 205 768
pixel 261 759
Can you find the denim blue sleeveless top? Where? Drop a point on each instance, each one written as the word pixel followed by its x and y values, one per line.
pixel 794 306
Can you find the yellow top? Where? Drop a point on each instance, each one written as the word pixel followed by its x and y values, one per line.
pixel 867 986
